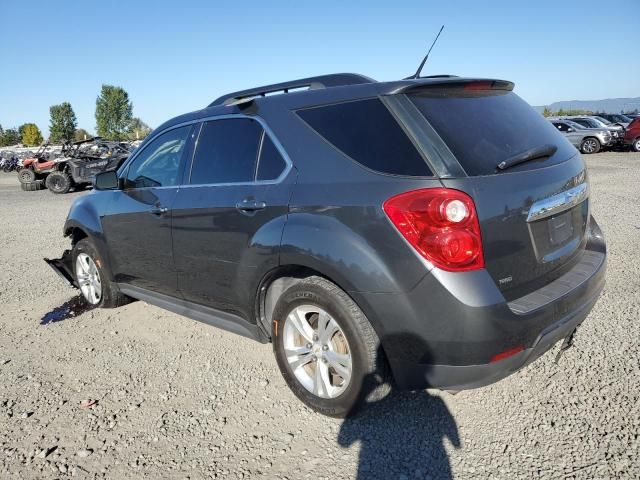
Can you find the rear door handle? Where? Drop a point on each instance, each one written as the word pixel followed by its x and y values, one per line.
pixel 250 205
pixel 159 211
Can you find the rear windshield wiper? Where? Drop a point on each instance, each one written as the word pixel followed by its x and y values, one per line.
pixel 528 155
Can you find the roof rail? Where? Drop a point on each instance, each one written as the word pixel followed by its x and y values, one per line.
pixel 311 83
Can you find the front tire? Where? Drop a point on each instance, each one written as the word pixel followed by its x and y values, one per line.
pixel 26 175
pixel 326 349
pixel 590 145
pixel 636 145
pixel 92 278
pixel 59 182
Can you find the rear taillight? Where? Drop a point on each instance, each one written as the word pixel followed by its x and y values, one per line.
pixel 441 224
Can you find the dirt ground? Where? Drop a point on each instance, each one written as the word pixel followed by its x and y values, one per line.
pixel 179 399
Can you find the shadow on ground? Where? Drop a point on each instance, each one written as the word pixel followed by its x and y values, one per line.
pixel 402 436
pixel 71 308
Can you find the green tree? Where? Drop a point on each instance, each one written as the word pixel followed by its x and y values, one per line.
pixel 63 123
pixel 138 129
pixel 10 137
pixel 81 134
pixel 113 113
pixel 31 134
pixel 547 112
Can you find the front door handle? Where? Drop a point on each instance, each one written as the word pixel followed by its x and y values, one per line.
pixel 250 205
pixel 159 211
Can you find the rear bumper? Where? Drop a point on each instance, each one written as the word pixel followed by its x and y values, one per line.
pixel 446 331
pixel 464 377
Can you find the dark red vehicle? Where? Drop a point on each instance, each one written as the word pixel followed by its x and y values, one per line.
pixel 632 135
pixel 37 167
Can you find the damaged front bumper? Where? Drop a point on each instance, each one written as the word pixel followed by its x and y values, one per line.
pixel 62 266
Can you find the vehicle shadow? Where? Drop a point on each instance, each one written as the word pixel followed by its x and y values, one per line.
pixel 401 436
pixel 71 308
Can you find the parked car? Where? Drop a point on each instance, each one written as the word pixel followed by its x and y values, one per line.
pixel 587 140
pixel 616 119
pixel 352 224
pixel 616 131
pixel 632 136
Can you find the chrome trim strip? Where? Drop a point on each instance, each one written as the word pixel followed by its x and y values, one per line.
pixel 558 203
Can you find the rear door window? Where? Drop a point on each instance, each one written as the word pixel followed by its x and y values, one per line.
pixel 227 151
pixel 366 131
pixel 484 128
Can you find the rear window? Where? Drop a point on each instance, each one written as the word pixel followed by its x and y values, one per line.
pixel 483 129
pixel 366 131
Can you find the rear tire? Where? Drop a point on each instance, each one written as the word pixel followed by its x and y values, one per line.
pixel 89 270
pixel 590 145
pixel 32 186
pixel 636 145
pixel 26 175
pixel 320 356
pixel 59 182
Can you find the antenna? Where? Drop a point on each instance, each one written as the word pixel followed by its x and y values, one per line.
pixel 424 60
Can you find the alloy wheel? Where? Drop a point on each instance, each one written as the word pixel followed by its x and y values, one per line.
pixel 590 146
pixel 317 351
pixel 88 278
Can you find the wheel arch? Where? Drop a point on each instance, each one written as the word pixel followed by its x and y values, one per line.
pixel 84 222
pixel 281 278
pixel 76 234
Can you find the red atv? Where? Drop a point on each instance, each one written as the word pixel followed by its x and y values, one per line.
pixel 34 170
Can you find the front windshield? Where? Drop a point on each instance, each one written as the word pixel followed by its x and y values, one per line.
pixel 604 120
pixel 590 123
pixel 575 125
pixel 621 118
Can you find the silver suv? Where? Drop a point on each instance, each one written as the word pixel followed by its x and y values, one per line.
pixel 587 140
pixel 616 131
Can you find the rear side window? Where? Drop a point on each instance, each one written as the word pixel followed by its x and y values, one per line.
pixel 226 152
pixel 485 128
pixel 271 163
pixel 366 131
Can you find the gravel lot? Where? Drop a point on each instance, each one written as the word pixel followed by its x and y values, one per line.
pixel 178 399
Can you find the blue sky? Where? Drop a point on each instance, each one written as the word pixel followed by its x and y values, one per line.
pixel 173 57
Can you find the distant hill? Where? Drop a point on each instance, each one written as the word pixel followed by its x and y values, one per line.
pixel 609 105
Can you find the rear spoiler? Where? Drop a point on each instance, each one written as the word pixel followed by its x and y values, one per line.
pixel 451 84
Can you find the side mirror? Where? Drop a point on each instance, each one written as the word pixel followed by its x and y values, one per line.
pixel 106 181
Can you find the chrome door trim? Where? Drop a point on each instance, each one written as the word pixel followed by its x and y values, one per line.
pixel 558 203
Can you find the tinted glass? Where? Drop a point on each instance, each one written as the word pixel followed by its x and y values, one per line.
pixel 586 123
pixel 485 128
pixel 271 163
pixel 561 126
pixel 226 151
pixel 368 133
pixel 603 120
pixel 158 165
